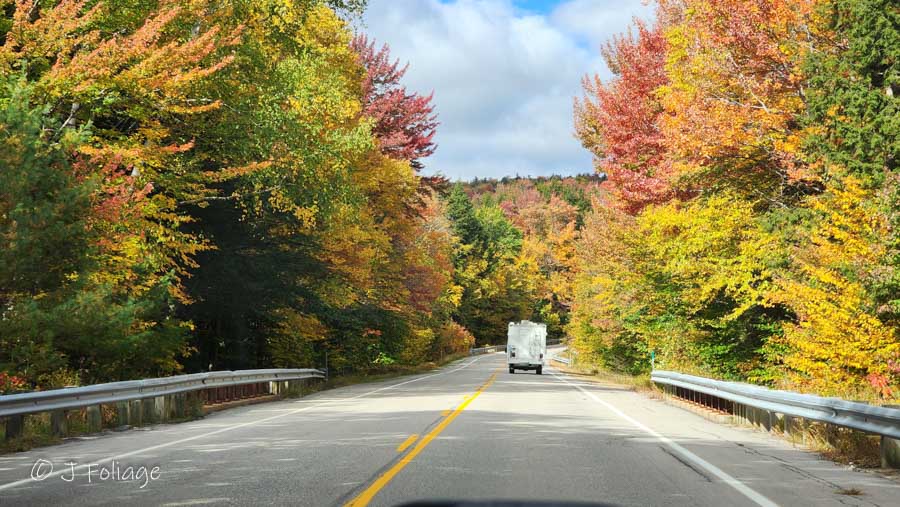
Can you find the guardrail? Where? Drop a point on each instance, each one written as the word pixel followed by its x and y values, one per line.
pixel 501 348
pixel 771 408
pixel 169 397
pixel 487 350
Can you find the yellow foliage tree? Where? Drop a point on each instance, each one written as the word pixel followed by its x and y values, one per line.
pixel 837 340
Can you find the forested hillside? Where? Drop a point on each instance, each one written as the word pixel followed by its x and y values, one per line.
pixel 752 226
pixel 515 257
pixel 188 186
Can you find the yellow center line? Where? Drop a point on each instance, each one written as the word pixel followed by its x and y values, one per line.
pixel 408 442
pixel 445 412
pixel 366 496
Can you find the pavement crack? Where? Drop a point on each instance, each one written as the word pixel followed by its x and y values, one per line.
pixel 808 475
pixel 686 463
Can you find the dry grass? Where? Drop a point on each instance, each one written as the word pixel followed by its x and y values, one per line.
pixel 35 434
pixel 636 382
pixel 841 445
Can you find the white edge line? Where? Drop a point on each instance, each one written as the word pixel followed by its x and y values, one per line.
pixel 22 482
pixel 745 490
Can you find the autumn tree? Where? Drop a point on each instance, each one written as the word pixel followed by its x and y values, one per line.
pixel 619 121
pixel 317 223
pixel 838 340
pixel 129 87
pixel 735 92
pixel 773 257
pixel 404 123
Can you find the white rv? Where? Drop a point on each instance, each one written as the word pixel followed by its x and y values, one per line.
pixel 526 345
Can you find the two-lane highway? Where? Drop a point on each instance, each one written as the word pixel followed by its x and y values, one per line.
pixel 470 430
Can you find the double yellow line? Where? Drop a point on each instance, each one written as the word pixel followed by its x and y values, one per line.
pixel 366 496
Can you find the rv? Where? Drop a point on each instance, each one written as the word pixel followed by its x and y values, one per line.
pixel 526 344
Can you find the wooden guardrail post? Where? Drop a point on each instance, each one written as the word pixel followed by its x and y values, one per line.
pixel 136 412
pixel 890 449
pixel 160 409
pixel 890 452
pixel 59 423
pixel 179 409
pixel 148 409
pixel 15 426
pixel 123 413
pixel 193 404
pixel 94 418
pixel 788 426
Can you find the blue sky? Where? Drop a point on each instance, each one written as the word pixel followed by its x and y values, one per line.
pixel 538 6
pixel 535 6
pixel 504 74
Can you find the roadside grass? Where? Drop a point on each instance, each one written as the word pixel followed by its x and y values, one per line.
pixel 635 382
pixel 841 445
pixel 36 433
pixel 37 428
pixel 387 373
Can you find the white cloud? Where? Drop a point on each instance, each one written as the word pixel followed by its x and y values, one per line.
pixel 594 21
pixel 503 78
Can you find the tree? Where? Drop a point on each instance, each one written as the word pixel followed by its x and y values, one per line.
pixel 619 121
pixel 44 222
pixel 735 91
pixel 131 88
pixel 461 213
pixel 837 341
pixel 62 321
pixel 45 204
pixel 773 258
pixel 404 123
pixel 853 93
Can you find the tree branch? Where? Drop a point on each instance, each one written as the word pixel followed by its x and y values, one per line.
pixel 232 197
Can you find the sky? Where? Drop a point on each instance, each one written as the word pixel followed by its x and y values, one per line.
pixel 504 74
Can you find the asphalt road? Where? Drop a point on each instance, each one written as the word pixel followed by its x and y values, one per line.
pixel 470 430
